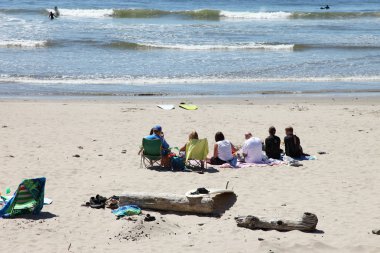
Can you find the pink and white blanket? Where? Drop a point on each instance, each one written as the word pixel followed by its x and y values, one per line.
pixel 269 162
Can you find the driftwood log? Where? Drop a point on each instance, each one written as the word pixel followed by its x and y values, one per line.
pixel 217 204
pixel 306 223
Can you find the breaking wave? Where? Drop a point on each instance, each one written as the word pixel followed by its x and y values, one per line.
pixel 85 13
pixel 23 11
pixel 24 43
pixel 255 15
pixel 246 46
pixel 221 14
pixel 238 46
pixel 125 45
pixel 198 14
pixel 136 13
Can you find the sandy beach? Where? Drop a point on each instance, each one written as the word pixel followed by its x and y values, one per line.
pixel 40 138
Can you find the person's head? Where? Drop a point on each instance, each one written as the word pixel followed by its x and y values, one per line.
pixel 157 129
pixel 193 135
pixel 289 130
pixel 219 136
pixel 248 135
pixel 272 130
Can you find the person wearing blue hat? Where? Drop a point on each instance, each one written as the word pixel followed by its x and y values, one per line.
pixel 158 135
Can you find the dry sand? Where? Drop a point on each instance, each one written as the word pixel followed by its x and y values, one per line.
pixel 39 138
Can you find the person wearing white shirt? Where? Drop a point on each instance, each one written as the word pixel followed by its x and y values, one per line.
pixel 223 150
pixel 252 149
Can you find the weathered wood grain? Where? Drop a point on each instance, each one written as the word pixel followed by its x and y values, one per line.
pixel 179 203
pixel 307 223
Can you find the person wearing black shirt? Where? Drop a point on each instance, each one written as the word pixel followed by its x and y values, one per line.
pixel 272 144
pixel 292 144
pixel 51 15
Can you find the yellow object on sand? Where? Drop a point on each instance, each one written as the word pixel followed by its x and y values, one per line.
pixel 188 107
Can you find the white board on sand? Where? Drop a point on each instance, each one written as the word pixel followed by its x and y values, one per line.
pixel 166 107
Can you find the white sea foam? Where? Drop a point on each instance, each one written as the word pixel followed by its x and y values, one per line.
pixel 255 15
pixel 85 13
pixel 23 43
pixel 248 46
pixel 186 80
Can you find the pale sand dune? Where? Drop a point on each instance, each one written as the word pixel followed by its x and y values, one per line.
pixel 341 187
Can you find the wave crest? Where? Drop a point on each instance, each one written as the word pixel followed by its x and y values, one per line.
pixel 24 43
pixel 152 13
pixel 207 14
pixel 127 45
pixel 85 13
pixel 139 13
pixel 255 15
pixel 245 46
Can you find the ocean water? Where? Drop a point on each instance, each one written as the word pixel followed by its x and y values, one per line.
pixel 189 47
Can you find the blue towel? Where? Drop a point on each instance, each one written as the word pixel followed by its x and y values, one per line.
pixel 127 211
pixel 304 158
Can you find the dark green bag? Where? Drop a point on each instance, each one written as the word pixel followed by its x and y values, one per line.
pixel 177 163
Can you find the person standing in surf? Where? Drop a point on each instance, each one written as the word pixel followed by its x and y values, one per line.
pixel 51 15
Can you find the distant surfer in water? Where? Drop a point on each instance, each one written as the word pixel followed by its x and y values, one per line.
pixel 51 15
pixel 325 8
pixel 56 12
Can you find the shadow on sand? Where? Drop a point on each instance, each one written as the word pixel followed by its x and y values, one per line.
pixel 40 216
pixel 189 169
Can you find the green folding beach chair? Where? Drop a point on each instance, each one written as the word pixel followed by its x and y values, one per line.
pixel 151 153
pixel 197 151
pixel 28 198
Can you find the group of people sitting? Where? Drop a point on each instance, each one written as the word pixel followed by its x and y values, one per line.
pixel 250 152
pixel 253 147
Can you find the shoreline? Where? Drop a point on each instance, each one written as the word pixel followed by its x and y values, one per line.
pixel 263 98
pixel 193 90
